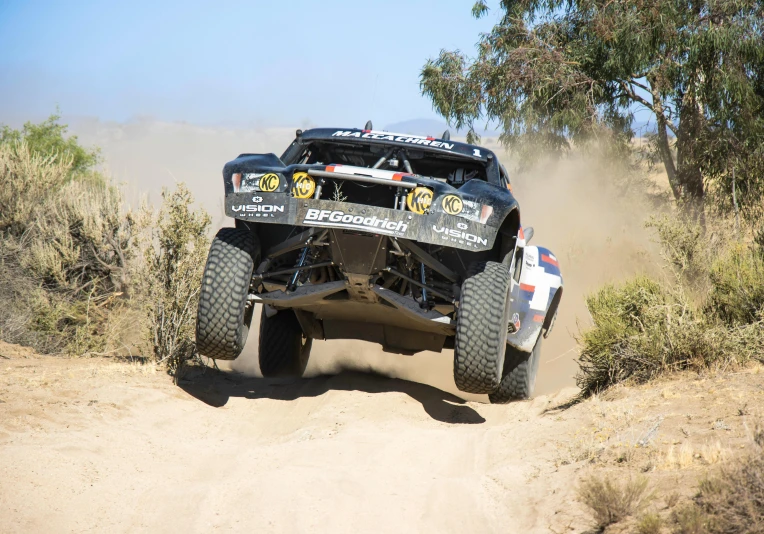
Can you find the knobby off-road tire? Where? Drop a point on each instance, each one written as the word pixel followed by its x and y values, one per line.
pixel 224 315
pixel 284 349
pixel 520 369
pixel 481 329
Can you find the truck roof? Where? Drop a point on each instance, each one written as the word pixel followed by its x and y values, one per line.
pixel 431 144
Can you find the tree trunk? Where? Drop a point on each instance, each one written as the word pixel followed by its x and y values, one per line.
pixel 689 174
pixel 663 142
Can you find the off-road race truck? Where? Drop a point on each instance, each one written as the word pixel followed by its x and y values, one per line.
pixel 408 241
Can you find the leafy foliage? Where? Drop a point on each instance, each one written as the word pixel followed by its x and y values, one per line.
pixel 48 140
pixel 554 71
pixel 75 265
pixel 737 285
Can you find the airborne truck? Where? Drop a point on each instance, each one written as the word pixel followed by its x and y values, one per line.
pixel 408 241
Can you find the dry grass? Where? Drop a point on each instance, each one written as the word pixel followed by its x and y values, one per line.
pixel 28 178
pixel 690 520
pixel 610 502
pixel 650 523
pixel 734 498
pixel 681 458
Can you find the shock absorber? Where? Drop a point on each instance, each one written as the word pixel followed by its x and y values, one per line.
pixel 301 263
pixel 423 304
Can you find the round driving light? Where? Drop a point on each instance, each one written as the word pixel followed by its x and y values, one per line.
pixel 452 204
pixel 303 185
pixel 269 182
pixel 419 200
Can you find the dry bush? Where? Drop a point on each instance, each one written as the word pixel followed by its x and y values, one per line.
pixel 734 499
pixel 730 501
pixel 27 180
pixel 81 239
pixel 610 502
pixel 650 523
pixel 174 256
pixel 690 520
pixel 65 241
pixel 684 247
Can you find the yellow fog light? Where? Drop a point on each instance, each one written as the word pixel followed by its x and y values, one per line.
pixel 419 200
pixel 452 204
pixel 269 182
pixel 303 185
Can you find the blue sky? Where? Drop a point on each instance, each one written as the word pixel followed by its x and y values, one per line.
pixel 267 63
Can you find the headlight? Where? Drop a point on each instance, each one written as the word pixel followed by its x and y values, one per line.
pixel 303 185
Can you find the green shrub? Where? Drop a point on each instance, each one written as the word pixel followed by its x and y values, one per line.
pixel 711 316
pixel 643 329
pixel 632 325
pixel 737 285
pixel 48 139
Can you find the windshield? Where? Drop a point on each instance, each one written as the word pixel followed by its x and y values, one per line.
pixel 449 168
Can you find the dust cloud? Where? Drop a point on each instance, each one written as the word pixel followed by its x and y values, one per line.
pixel 146 155
pixel 575 207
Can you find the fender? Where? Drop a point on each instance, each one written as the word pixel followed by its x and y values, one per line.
pixel 535 297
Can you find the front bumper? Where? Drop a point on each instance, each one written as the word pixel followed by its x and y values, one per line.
pixel 434 228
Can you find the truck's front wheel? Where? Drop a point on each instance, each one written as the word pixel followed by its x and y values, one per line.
pixel 481 329
pixel 224 313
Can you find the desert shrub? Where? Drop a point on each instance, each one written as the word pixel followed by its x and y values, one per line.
pixel 609 502
pixel 82 238
pixel 650 523
pixel 642 329
pixel 684 247
pixel 708 313
pixel 27 179
pixel 734 498
pixel 174 257
pixel 690 519
pixel 737 285
pixel 65 242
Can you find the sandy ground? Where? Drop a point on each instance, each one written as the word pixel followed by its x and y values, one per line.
pixel 371 442
pixel 90 445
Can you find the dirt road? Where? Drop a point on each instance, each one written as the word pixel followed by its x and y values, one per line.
pixel 93 446
pixel 97 446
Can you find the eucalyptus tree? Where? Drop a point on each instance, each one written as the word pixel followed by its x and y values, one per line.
pixel 552 72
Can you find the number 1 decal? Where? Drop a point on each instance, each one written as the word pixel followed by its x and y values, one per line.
pixel 476 152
